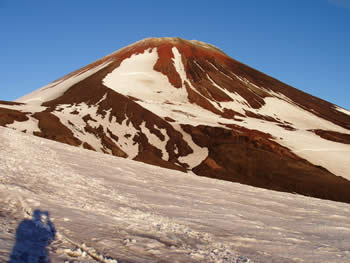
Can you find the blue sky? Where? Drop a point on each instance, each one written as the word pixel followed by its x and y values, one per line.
pixel 304 43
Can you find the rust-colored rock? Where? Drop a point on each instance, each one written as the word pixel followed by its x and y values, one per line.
pixel 333 136
pixel 8 116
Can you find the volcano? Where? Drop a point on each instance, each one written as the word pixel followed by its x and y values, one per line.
pixel 186 105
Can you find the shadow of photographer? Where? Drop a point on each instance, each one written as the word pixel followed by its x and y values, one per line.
pixel 32 239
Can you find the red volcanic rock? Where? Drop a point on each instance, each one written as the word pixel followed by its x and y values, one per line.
pixel 165 65
pixel 8 116
pixel 333 136
pixel 52 128
pixel 188 106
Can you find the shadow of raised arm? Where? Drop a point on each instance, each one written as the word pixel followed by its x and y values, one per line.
pixel 32 239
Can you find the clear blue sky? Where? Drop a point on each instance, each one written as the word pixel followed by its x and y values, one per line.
pixel 304 43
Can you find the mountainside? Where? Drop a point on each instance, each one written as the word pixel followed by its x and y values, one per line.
pixel 186 105
pixel 114 210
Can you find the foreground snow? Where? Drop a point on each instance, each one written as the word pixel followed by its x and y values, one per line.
pixel 119 210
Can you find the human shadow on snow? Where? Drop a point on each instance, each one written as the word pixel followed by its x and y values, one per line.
pixel 32 239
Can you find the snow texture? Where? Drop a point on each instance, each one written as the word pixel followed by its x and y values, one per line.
pixel 108 209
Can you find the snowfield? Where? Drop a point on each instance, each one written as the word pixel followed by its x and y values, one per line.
pixel 108 209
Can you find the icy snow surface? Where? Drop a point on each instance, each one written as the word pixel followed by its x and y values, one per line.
pixel 116 209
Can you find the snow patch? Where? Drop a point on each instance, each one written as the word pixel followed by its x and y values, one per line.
pixel 238 102
pixel 57 88
pixel 300 118
pixel 24 107
pixel 328 154
pixel 155 141
pixel 199 154
pixel 347 112
pixel 199 66
pixel 29 126
pixel 125 131
pixel 102 99
pixel 219 70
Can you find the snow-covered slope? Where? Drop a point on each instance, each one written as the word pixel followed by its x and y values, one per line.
pixel 118 210
pixel 185 105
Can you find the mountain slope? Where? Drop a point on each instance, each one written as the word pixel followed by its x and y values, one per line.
pixel 118 209
pixel 186 105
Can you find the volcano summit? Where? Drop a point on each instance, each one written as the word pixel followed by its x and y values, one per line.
pixel 186 105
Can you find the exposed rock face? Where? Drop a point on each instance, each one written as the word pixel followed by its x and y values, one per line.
pixel 186 105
